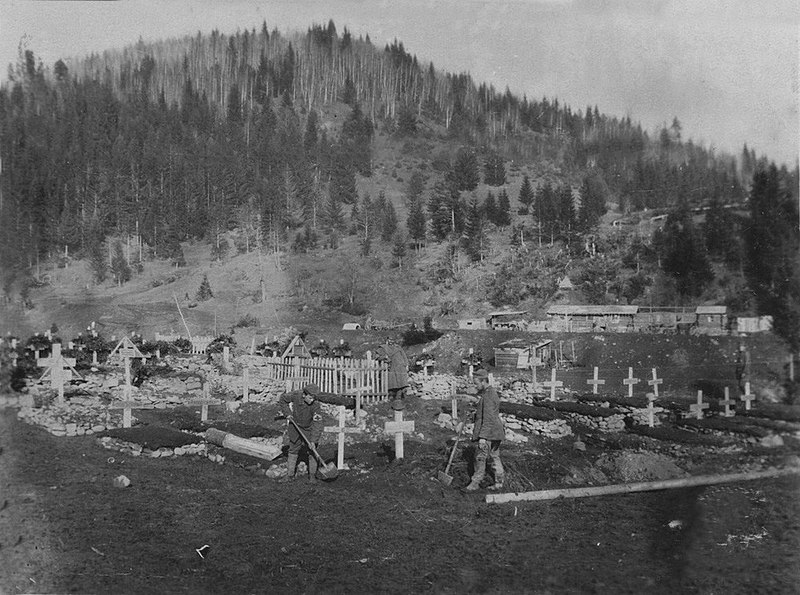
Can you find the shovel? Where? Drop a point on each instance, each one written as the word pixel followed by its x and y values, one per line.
pixel 325 471
pixel 443 477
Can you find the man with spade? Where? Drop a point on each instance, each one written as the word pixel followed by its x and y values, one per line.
pixel 488 433
pixel 306 412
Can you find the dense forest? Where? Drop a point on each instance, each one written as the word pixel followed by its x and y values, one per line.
pixel 213 136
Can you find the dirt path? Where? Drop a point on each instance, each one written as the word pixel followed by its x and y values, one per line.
pixel 392 530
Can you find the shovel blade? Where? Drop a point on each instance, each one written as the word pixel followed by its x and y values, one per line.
pixel 328 472
pixel 445 479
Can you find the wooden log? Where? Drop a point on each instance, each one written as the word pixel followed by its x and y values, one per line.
pixel 242 445
pixel 645 486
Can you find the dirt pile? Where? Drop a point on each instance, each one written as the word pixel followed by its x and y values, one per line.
pixel 630 466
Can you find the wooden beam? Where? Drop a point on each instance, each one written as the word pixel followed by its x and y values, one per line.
pixel 645 486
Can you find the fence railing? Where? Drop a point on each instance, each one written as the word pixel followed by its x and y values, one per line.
pixel 333 375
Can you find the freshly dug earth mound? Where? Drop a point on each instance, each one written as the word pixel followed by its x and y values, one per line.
pixel 630 467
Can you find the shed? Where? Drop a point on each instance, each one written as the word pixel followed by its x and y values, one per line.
pixel 754 324
pixel 516 354
pixel 297 348
pixel 472 323
pixel 594 318
pixel 712 319
pixel 507 320
pixel 351 326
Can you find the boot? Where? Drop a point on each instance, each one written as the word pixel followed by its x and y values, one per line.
pixel 312 469
pixel 499 475
pixel 480 471
pixel 291 464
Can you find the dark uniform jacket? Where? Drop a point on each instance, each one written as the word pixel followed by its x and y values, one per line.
pixel 398 366
pixel 488 424
pixel 308 417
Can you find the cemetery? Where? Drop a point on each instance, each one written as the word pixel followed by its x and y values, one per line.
pixel 153 417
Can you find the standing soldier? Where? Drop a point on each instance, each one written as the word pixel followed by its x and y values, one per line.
pixel 398 369
pixel 488 433
pixel 307 414
pixel 742 366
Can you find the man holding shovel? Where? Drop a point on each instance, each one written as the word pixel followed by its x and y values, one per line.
pixel 307 414
pixel 488 433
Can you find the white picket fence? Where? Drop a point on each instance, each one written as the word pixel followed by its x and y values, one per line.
pixel 341 376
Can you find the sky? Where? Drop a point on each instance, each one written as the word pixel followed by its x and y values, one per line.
pixel 727 69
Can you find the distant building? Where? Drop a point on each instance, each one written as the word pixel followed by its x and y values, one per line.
pixel 351 326
pixel 593 318
pixel 712 320
pixel 473 324
pixel 508 320
pixel 521 354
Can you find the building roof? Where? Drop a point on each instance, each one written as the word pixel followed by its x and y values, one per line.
pixel 711 310
pixel 565 309
pixel 509 313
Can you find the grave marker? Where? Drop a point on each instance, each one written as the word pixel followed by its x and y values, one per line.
pixel 398 427
pixel 94 358
pixel 127 350
pixel 59 368
pixel 651 410
pixel 630 381
pixel 453 402
pixel 727 402
pixel 655 382
pixel 126 407
pixel 747 396
pixel 226 355
pixel 595 381
pixel 203 404
pixel 341 430
pixel 552 384
pixel 697 408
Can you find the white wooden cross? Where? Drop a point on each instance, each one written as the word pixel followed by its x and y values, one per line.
pixel 94 358
pixel 203 404
pixel 471 367
pixel 594 381
pixel 453 402
pixel 630 381
pixel 127 350
pixel 59 368
pixel 747 396
pixel 398 427
pixel 226 355
pixel 651 410
pixel 697 408
pixel 126 407
pixel 727 402
pixel 341 429
pixel 552 384
pixel 655 382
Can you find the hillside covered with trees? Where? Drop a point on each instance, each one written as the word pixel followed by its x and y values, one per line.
pixel 351 160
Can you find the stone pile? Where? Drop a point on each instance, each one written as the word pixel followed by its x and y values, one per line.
pixel 611 423
pixel 77 417
pixel 556 428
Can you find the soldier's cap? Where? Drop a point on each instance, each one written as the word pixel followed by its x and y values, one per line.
pixel 480 373
pixel 311 389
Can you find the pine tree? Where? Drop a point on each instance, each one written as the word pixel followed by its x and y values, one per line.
pixel 503 213
pixel 473 240
pixel 464 174
pixel 388 222
pixel 526 195
pixel 594 192
pixel 682 252
pixel 490 207
pixel 494 170
pixel 119 266
pixel 204 291
pixel 773 243
pixel 416 222
pixel 334 220
pixel 399 249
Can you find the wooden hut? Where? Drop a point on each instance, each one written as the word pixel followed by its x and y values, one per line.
pixel 712 320
pixel 594 318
